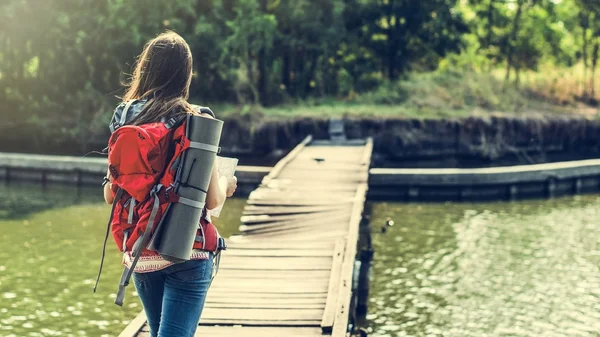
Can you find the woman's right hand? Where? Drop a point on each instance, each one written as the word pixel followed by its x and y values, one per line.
pixel 231 186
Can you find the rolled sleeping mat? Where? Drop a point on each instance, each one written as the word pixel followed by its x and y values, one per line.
pixel 175 235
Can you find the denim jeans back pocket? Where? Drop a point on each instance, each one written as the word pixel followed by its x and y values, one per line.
pixel 192 270
pixel 141 279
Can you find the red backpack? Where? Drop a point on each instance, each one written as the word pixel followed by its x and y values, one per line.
pixel 143 162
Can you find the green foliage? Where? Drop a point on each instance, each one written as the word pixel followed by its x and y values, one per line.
pixel 401 33
pixel 62 62
pixel 453 88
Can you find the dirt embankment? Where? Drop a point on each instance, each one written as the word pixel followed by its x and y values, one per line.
pixel 473 141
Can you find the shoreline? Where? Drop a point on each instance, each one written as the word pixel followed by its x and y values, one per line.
pixel 477 141
pixel 389 184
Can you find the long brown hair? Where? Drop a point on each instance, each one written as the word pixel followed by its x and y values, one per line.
pixel 162 75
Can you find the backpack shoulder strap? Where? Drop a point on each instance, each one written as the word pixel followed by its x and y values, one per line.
pixel 176 121
pixel 115 201
pixel 125 113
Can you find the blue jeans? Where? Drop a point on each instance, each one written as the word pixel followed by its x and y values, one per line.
pixel 173 298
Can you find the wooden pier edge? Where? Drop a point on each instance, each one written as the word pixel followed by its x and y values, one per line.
pixel 340 323
pixel 333 288
pixel 135 326
pixel 283 162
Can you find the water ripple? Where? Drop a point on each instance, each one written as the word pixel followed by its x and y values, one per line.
pixel 503 269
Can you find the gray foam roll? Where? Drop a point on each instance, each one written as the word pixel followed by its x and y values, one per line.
pixel 175 235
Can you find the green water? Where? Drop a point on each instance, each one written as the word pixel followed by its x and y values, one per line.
pixel 50 245
pixel 503 269
pixel 452 270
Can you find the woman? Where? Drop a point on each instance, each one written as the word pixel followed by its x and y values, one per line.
pixel 172 295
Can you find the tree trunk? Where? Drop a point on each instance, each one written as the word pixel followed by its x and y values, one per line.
pixel 490 19
pixel 512 38
pixel 285 70
pixel 310 74
pixel 262 77
pixel 391 67
pixel 262 66
pixel 594 63
pixel 585 63
pixel 298 75
pixel 252 78
pixel 392 48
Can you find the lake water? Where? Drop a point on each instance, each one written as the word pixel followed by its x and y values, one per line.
pixel 50 247
pixel 504 269
pixel 455 270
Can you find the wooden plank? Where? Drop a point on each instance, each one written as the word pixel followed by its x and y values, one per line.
pixel 263 305
pixel 286 160
pixel 266 322
pixel 276 260
pixel 282 192
pixel 265 287
pixel 258 243
pixel 297 224
pixel 256 210
pixel 325 222
pixel 245 331
pixel 279 284
pixel 271 275
pixel 293 209
pixel 305 202
pixel 264 218
pixel 239 296
pixel 293 232
pixel 332 290
pixel 135 326
pixel 216 295
pixel 280 252
pixel 285 185
pixel 231 328
pixel 332 178
pixel 340 323
pixel 298 235
pixel 326 167
pixel 261 314
pixel 288 263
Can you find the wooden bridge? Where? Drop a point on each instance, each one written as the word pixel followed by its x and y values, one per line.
pixel 290 273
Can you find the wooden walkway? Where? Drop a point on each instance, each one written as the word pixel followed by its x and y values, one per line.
pixel 290 273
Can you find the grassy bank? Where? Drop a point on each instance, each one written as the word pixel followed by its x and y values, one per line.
pixel 448 93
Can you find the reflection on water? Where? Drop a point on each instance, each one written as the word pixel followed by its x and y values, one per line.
pixel 453 270
pixel 503 269
pixel 50 241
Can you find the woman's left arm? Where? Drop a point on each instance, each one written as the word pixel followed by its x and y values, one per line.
pixel 108 195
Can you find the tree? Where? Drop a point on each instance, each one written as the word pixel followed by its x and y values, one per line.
pixel 402 32
pixel 590 24
pixel 252 35
pixel 310 34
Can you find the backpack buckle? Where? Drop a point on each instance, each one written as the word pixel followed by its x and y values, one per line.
pixel 154 191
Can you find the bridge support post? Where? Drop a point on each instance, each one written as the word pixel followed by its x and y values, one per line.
pixel 7 176
pixel 366 256
pixel 550 188
pixel 513 192
pixel 577 185
pixel 363 282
